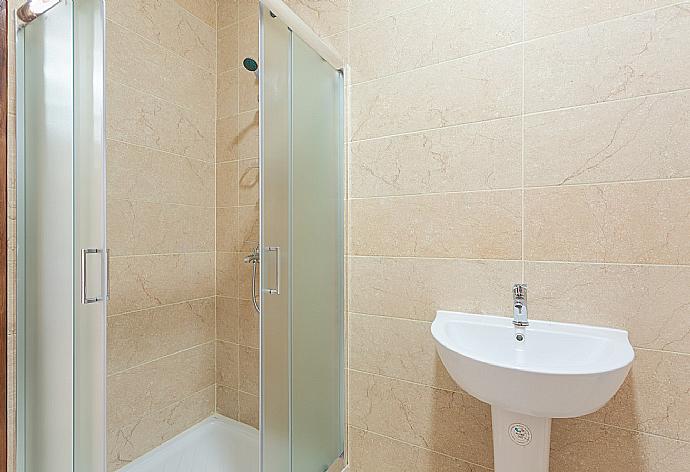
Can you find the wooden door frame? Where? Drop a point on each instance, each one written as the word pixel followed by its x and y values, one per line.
pixel 3 233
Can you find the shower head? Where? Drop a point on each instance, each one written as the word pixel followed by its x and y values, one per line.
pixel 250 64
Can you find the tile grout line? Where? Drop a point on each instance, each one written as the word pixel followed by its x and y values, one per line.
pixel 215 223
pixel 153 412
pixel 527 188
pixel 502 315
pixel 460 391
pixel 165 48
pixel 236 230
pixel 166 305
pixel 390 438
pixel 527 261
pixel 161 203
pixel 188 253
pixel 162 151
pixel 621 428
pixel 522 143
pixel 528 114
pixel 166 356
pixel 516 43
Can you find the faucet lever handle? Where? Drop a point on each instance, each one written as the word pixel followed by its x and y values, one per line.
pixel 519 290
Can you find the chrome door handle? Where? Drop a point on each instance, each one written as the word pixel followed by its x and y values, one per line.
pixel 275 291
pixel 85 299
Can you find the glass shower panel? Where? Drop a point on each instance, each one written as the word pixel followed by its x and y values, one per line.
pixel 317 260
pixel 274 123
pixel 61 257
pixel 302 254
pixel 45 242
pixel 90 231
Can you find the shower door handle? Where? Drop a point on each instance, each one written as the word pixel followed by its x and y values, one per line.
pixel 275 291
pixel 85 299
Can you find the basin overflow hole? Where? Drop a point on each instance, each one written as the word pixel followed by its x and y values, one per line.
pixel 520 434
pixel 520 337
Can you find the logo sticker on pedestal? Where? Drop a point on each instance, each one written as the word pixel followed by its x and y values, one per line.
pixel 520 434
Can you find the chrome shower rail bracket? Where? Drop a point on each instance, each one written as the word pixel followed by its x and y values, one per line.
pixel 32 9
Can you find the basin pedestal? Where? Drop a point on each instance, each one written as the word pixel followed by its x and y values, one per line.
pixel 521 442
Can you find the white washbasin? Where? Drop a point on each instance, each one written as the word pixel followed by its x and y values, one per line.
pixel 557 370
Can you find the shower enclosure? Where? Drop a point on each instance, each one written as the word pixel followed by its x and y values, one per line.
pixel 128 344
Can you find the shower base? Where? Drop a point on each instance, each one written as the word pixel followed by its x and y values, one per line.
pixel 217 444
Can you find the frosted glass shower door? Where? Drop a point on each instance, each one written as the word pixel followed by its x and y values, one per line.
pixel 317 260
pixel 61 257
pixel 302 259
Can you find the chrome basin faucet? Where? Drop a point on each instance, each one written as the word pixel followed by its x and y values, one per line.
pixel 520 305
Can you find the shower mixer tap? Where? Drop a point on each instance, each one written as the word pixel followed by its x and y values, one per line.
pixel 254 259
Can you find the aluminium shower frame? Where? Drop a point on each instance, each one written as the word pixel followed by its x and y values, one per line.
pixel 3 231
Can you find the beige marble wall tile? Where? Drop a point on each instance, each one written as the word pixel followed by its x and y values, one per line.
pixel 478 156
pixel 120 226
pixel 227 140
pixel 128 442
pixel 248 90
pixel 249 409
pixel 366 11
pixel 245 278
pixel 139 282
pixel 249 324
pixel 475 88
pixel 340 43
pixel 228 327
pixel 325 18
pixel 415 287
pixel 227 12
pixel 143 336
pixel 249 370
pixel 142 119
pixel 654 397
pixel 248 227
pixel 202 9
pixel 249 38
pixel 248 135
pixel 247 8
pixel 451 423
pixel 415 359
pixel 227 239
pixel 145 174
pixel 227 94
pixel 620 141
pixel 168 24
pixel 629 57
pixel 581 446
pixel 609 295
pixel 150 387
pixel 226 274
pixel 438 31
pixel 150 68
pixel 226 184
pixel 227 364
pixel 228 41
pixel 468 225
pixel 544 17
pixel 645 222
pixel 227 401
pixel 249 182
pixel 137 228
pixel 372 452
